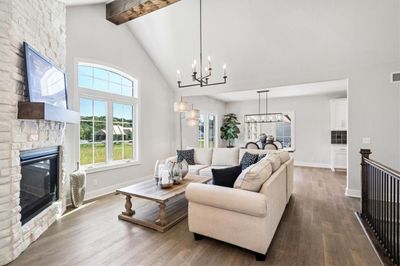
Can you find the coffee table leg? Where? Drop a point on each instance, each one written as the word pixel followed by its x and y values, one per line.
pixel 162 220
pixel 128 207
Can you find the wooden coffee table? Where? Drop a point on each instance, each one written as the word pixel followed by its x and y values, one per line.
pixel 165 216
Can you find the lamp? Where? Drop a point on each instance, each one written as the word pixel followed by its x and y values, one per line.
pixel 181 106
pixel 192 122
pixel 266 117
pixel 193 114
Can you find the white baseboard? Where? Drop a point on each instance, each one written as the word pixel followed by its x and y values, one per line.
pixel 355 193
pixel 113 188
pixel 107 190
pixel 315 165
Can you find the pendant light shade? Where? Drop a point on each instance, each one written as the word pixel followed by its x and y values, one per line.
pixel 181 107
pixel 193 114
pixel 192 122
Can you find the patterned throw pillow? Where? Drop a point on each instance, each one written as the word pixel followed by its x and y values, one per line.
pixel 187 155
pixel 248 159
pixel 261 156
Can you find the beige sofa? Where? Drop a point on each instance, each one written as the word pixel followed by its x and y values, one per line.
pixel 240 217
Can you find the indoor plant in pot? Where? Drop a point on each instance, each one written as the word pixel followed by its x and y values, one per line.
pixel 229 129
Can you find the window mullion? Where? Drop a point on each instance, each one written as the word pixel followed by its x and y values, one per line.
pixel 110 131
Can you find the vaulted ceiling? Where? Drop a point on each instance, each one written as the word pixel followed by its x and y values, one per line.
pixel 269 43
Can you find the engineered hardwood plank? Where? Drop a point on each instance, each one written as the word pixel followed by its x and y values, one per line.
pixel 318 227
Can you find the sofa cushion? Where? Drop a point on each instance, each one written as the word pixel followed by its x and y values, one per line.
pixel 203 156
pixel 254 176
pixel 226 177
pixel 196 168
pixel 284 155
pixel 243 151
pixel 275 160
pixel 208 170
pixel 248 159
pixel 187 155
pixel 225 156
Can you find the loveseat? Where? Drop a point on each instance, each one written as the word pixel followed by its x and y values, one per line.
pixel 240 217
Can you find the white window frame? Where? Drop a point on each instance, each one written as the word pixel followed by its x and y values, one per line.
pixel 110 99
pixel 206 130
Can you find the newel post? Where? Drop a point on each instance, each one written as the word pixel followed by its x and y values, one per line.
pixel 364 184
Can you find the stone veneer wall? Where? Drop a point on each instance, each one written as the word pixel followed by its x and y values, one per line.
pixel 41 23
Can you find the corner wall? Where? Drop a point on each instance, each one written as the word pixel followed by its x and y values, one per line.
pixel 91 37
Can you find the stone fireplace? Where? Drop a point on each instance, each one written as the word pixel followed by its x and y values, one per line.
pixel 41 23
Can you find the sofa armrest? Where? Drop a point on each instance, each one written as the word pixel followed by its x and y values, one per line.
pixel 171 159
pixel 236 200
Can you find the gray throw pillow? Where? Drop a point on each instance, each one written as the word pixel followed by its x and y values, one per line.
pixel 187 155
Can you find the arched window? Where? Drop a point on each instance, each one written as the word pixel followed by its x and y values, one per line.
pixel 108 108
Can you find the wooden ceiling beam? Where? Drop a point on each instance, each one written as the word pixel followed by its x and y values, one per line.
pixel 121 11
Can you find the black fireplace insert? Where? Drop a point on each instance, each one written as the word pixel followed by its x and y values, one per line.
pixel 39 183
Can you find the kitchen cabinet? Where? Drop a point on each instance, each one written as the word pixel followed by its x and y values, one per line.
pixel 338 157
pixel 338 114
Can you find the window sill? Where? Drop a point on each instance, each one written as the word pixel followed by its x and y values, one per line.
pixel 109 166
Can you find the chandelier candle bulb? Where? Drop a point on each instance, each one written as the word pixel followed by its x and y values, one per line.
pixel 178 75
pixel 224 69
pixel 202 78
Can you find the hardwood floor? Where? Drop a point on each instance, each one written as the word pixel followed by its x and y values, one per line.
pixel 318 228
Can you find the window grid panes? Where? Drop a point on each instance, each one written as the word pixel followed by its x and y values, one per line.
pixel 201 131
pixel 96 78
pixel 104 138
pixel 93 131
pixel 123 133
pixel 284 134
pixel 211 131
pixel 207 131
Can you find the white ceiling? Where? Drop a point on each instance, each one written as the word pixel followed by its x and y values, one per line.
pixel 337 88
pixel 266 43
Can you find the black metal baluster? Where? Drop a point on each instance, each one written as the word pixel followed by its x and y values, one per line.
pixel 381 235
pixel 397 223
pixel 380 211
pixel 385 213
pixel 391 217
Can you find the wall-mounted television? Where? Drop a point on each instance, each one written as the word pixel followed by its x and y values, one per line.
pixel 46 82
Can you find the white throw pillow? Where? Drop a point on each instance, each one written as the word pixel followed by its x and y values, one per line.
pixel 225 156
pixel 254 176
pixel 275 161
pixel 202 156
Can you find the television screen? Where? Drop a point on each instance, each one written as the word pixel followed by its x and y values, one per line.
pixel 46 82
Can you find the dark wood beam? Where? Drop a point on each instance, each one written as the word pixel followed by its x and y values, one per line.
pixel 121 11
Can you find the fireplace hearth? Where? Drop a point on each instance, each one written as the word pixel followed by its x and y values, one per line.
pixel 39 182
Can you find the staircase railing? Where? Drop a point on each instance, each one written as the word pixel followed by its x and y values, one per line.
pixel 380 210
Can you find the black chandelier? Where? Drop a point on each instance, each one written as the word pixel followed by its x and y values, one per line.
pixel 201 79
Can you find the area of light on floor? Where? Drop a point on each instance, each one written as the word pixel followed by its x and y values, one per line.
pixel 77 209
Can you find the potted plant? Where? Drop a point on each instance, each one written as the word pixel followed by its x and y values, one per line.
pixel 229 129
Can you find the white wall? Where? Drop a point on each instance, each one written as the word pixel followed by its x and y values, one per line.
pixel 90 36
pixel 276 43
pixel 312 124
pixel 206 105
